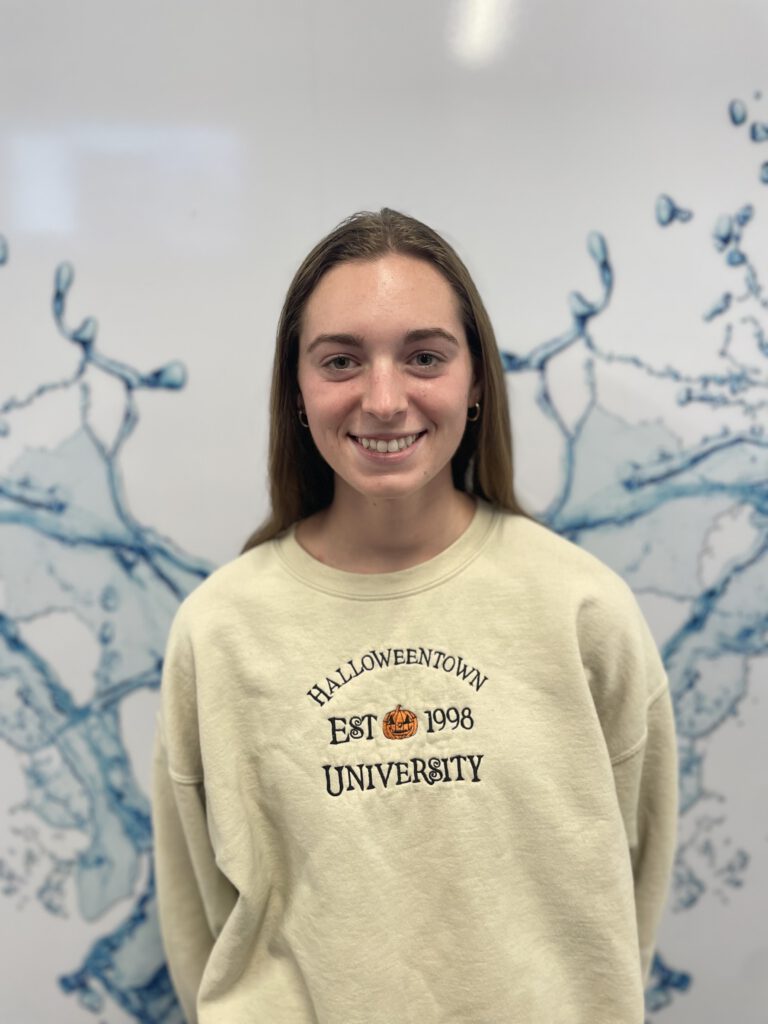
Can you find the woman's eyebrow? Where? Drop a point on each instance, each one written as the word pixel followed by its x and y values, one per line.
pixel 356 341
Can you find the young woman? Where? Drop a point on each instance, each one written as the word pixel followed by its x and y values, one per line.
pixel 416 758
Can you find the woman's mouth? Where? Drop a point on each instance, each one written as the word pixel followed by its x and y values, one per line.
pixel 380 449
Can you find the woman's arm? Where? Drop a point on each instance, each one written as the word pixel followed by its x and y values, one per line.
pixel 183 858
pixel 194 898
pixel 631 689
pixel 647 788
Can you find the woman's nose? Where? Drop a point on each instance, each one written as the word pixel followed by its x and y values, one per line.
pixel 384 392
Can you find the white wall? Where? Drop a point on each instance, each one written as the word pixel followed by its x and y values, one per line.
pixel 182 157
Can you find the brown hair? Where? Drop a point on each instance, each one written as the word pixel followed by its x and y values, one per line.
pixel 300 480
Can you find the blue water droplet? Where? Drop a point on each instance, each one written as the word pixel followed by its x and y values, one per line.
pixel 172 376
pixel 722 231
pixel 5 428
pixel 738 111
pixel 758 131
pixel 597 247
pixel 106 633
pixel 665 210
pixel 735 258
pixel 764 173
pixel 3 249
pixel 64 277
pixel 110 598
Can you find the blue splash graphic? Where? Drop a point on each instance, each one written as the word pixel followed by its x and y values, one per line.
pixel 640 489
pixel 667 211
pixel 738 111
pixel 70 546
pixel 758 130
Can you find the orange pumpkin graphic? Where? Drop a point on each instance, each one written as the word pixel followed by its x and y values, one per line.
pixel 400 723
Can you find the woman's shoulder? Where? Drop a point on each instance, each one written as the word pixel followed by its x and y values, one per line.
pixel 559 576
pixel 524 544
pixel 236 582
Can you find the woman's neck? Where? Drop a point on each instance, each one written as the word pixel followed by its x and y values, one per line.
pixel 364 535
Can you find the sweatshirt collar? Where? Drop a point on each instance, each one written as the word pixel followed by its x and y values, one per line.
pixel 382 585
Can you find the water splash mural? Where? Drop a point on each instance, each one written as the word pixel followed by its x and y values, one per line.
pixel 651 506
pixel 646 501
pixel 70 547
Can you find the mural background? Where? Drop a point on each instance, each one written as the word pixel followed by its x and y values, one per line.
pixel 603 170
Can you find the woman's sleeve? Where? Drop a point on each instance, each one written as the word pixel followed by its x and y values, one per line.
pixel 647 787
pixel 178 822
pixel 193 896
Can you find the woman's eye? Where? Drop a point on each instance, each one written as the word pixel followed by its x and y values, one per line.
pixel 335 359
pixel 333 363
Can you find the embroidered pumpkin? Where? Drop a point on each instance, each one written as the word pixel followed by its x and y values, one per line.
pixel 400 723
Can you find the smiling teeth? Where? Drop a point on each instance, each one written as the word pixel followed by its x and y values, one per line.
pixel 395 445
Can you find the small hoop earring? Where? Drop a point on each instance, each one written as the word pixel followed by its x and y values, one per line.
pixel 301 421
pixel 476 417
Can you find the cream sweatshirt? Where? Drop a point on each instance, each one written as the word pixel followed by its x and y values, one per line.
pixel 442 795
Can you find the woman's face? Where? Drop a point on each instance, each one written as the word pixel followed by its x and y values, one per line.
pixel 383 355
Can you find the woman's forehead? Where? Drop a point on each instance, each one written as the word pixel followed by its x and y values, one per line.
pixel 395 288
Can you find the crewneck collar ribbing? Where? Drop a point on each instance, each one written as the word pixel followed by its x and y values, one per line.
pixel 383 585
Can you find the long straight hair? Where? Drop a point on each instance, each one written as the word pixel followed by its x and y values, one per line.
pixel 300 480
